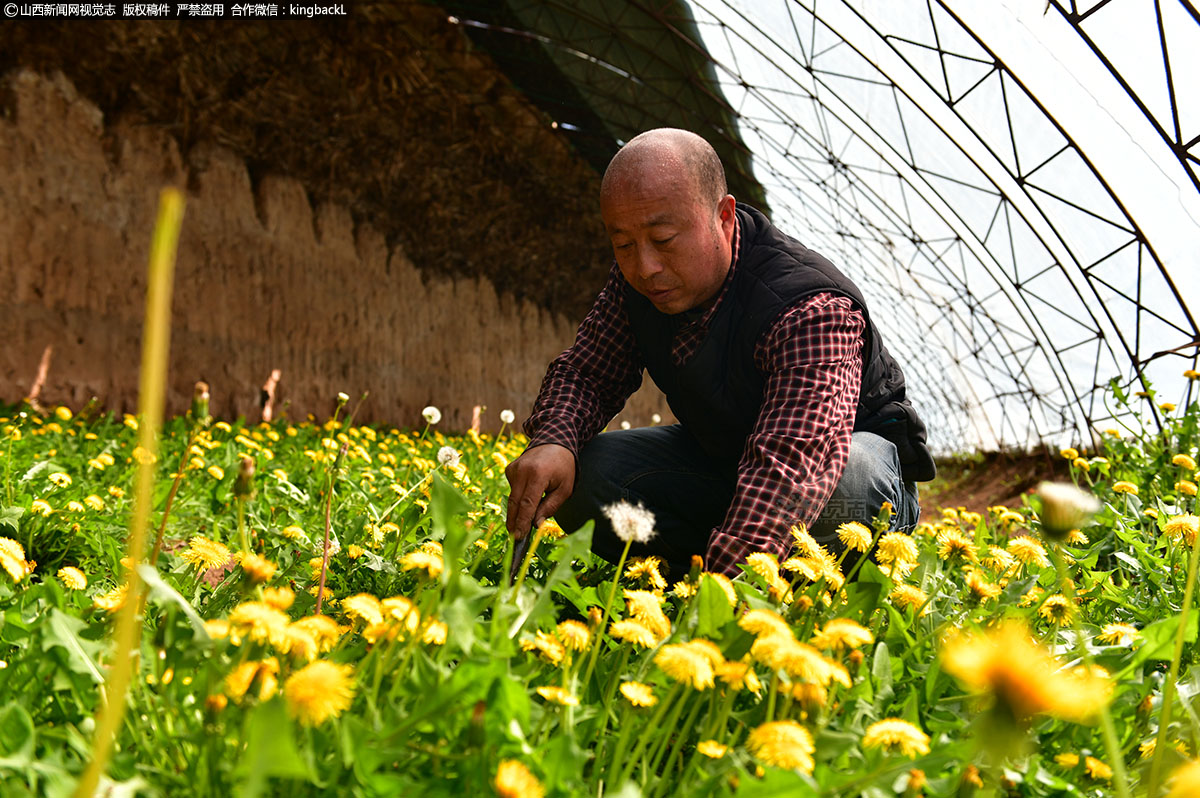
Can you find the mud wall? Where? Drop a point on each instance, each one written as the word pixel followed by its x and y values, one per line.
pixel 264 281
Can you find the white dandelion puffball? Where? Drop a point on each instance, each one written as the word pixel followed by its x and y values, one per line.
pixel 631 523
pixel 432 414
pixel 342 398
pixel 656 418
pixel 626 425
pixel 448 456
pixel 507 416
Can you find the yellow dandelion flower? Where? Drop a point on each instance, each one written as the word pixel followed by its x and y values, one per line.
pixel 855 536
pixel 558 695
pixel 765 565
pixel 144 456
pixel 632 632
pixel 1118 634
pixel 1069 453
pixel 551 530
pixel 1125 487
pixel 1184 461
pixel 292 532
pixel 1028 551
pixel 15 566
pixel 684 590
pixel 1166 407
pixel 116 492
pixel 711 749
pixel 425 561
pixel 319 691
pixel 72 577
pixel 354 551
pixel 63 413
pixel 1057 609
pixel 95 502
pixel 647 569
pixel 805 543
pixel 205 554
pixel 842 633
pixel 981 587
pixel 12 549
pixel 111 601
pixel 1022 676
pixel 363 607
pixel 61 479
pixel 764 622
pixel 954 545
pixel 646 608
pixel 798 660
pixel 513 780
pixel 1186 487
pixel 999 560
pixel 75 507
pixel 1076 538
pixel 1096 769
pixel 685 664
pixel 323 628
pixel 259 621
pixel 897 547
pixel 40 507
pixel 434 633
pixel 909 596
pixel 239 681
pixel 639 694
pixel 1182 526
pixel 1185 781
pixel 810 696
pixel 738 675
pixel 300 642
pixel 1192 374
pixel 259 569
pixel 280 598
pixel 547 646
pixel 895 734
pixel 574 635
pixel 782 744
pixel 806 567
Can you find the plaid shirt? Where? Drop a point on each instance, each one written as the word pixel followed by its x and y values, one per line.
pixel 797 451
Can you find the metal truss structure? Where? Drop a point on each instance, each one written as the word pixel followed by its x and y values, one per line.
pixel 1017 193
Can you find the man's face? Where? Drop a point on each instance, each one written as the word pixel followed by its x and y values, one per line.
pixel 672 246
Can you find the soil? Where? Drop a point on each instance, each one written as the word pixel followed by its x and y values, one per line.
pixel 977 482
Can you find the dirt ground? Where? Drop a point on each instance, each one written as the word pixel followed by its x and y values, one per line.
pixel 977 482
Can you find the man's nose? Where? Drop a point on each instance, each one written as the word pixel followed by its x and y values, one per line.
pixel 648 263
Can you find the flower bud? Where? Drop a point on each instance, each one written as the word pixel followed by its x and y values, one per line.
pixel 200 404
pixel 243 486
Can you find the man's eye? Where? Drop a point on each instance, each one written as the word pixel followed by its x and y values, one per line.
pixel 622 246
pixel 661 242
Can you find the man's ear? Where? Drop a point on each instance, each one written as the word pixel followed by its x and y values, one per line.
pixel 725 213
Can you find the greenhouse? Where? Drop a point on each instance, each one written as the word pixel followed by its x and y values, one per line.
pixel 385 412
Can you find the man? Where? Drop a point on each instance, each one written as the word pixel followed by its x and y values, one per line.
pixel 790 408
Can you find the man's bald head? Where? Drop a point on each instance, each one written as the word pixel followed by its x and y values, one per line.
pixel 664 153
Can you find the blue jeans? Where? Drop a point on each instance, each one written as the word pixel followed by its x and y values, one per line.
pixel 665 469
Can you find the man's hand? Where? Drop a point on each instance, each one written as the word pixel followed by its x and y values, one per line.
pixel 541 480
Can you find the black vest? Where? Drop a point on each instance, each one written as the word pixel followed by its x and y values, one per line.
pixel 718 392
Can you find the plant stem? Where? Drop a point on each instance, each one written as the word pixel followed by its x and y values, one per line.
pixel 612 594
pixel 1164 719
pixel 151 393
pixel 1115 755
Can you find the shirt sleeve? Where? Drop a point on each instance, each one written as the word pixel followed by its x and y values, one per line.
pixel 588 384
pixel 797 451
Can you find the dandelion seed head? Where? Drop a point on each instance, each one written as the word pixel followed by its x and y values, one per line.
pixel 631 522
